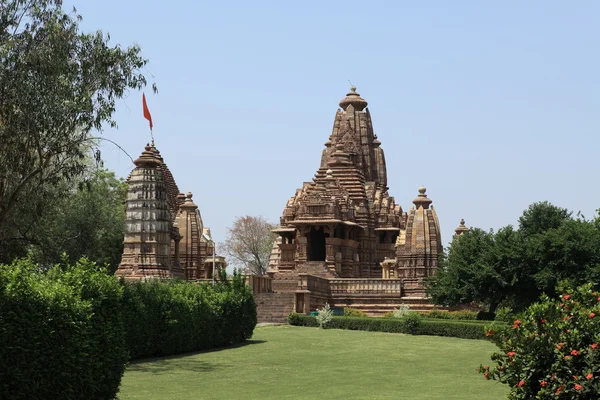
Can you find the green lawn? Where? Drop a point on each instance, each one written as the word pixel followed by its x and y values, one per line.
pixel 285 362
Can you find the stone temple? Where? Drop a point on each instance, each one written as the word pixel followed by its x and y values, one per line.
pixel 164 233
pixel 343 239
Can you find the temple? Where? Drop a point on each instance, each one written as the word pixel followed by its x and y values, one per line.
pixel 343 239
pixel 164 233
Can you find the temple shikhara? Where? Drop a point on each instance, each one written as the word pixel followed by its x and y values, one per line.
pixel 164 233
pixel 342 237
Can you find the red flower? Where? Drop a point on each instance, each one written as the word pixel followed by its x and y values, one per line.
pixel 578 386
pixel 490 332
pixel 592 315
pixel 486 375
pixel 558 390
pixel 543 321
pixel 511 354
pixel 543 383
pixel 567 357
pixel 594 346
pixel 589 376
pixel 574 352
pixel 521 383
pixel 567 296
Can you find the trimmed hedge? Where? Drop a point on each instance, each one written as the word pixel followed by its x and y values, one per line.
pixel 171 317
pixel 464 315
pixel 440 327
pixel 67 333
pixel 61 333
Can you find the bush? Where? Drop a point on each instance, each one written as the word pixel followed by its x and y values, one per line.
pixel 353 312
pixel 171 317
pixel 412 322
pixel 61 332
pixel 324 315
pixel 552 350
pixel 464 315
pixel 451 328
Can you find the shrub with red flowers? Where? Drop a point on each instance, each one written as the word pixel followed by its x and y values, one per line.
pixel 553 350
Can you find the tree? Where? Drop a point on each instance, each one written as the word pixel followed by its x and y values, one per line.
pixel 57 85
pixel 481 267
pixel 514 267
pixel 87 221
pixel 542 216
pixel 249 243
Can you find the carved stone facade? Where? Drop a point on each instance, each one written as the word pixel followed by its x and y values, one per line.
pixel 164 233
pixel 342 232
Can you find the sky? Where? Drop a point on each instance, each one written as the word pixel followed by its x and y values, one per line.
pixel 490 105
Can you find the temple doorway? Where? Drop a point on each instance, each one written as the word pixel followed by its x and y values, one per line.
pixel 315 240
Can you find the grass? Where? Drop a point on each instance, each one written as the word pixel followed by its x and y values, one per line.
pixel 285 362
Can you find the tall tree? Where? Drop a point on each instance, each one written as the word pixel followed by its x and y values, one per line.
pixel 249 242
pixel 515 267
pixel 86 221
pixel 57 85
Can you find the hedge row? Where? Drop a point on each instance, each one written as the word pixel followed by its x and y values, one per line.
pixel 171 317
pixel 67 333
pixel 439 327
pixel 61 333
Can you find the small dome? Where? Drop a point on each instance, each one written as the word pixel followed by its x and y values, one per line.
pixel 353 98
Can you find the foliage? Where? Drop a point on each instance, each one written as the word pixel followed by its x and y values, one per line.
pixel 171 317
pixel 57 85
pixel 353 312
pixel 552 350
pixel 514 267
pixel 88 221
pixel 401 311
pixel 541 217
pixel 412 324
pixel 324 315
pixel 61 332
pixel 465 315
pixel 249 243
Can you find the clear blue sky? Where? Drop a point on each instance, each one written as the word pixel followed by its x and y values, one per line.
pixel 490 105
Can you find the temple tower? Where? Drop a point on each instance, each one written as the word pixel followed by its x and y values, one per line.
pixel 419 245
pixel 343 223
pixel 148 226
pixel 461 229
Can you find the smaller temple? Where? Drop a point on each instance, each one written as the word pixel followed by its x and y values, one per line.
pixel 164 233
pixel 461 229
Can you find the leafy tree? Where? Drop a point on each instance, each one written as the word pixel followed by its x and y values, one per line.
pixel 515 267
pixel 87 221
pixel 249 242
pixel 542 216
pixel 481 267
pixel 57 85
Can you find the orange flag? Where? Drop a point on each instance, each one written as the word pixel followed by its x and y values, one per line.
pixel 146 111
